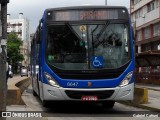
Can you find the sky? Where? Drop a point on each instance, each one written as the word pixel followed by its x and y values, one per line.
pixel 33 9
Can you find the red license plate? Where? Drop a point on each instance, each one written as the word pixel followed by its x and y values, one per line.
pixel 89 98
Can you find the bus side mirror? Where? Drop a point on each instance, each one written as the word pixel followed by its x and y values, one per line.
pixel 37 38
pixel 39 32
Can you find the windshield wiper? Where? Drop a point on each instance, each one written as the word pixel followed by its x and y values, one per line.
pixel 92 38
pixel 73 31
pixel 97 42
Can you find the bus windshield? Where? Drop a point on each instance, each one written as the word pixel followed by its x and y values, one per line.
pixel 72 46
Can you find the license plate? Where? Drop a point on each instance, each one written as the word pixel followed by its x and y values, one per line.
pixel 89 98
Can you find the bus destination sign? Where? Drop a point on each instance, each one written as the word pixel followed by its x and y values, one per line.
pixel 75 15
pixel 91 15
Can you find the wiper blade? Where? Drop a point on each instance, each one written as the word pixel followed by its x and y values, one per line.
pixel 96 42
pixel 73 31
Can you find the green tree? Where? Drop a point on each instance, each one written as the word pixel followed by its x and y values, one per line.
pixel 13 50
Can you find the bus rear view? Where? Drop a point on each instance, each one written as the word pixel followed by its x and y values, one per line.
pixel 85 54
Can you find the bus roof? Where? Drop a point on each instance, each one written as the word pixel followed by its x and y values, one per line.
pixel 86 7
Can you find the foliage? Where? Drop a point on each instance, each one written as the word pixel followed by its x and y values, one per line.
pixel 13 50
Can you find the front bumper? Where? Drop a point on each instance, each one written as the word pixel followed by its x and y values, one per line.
pixel 120 93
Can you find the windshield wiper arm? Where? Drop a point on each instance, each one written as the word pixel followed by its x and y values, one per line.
pixel 73 31
pixel 96 42
pixel 92 38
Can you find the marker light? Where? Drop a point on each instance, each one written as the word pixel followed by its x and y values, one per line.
pixel 126 79
pixel 51 80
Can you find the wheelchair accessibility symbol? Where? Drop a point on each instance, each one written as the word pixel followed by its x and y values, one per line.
pixel 97 61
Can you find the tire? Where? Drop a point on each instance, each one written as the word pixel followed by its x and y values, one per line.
pixel 34 93
pixel 46 104
pixel 108 104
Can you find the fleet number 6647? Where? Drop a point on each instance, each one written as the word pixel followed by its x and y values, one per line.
pixel 72 84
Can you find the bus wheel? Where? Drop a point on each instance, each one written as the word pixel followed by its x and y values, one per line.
pixel 46 104
pixel 34 93
pixel 108 104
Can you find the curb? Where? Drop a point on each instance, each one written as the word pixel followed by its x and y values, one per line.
pixel 22 85
pixel 14 95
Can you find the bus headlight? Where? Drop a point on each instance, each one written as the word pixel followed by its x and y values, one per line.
pixel 51 80
pixel 126 79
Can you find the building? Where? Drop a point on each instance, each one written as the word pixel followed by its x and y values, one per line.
pixel 145 17
pixel 20 26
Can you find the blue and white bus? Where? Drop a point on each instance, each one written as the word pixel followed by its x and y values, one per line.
pixel 83 54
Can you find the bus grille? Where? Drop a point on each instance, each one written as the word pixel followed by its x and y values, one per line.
pixel 100 94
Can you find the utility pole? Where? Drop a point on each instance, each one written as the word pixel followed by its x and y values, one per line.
pixel 3 54
pixel 106 2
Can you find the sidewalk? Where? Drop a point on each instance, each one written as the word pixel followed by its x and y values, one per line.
pixel 153 97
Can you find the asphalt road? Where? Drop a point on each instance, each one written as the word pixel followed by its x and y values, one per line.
pixel 74 110
pixel 78 111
